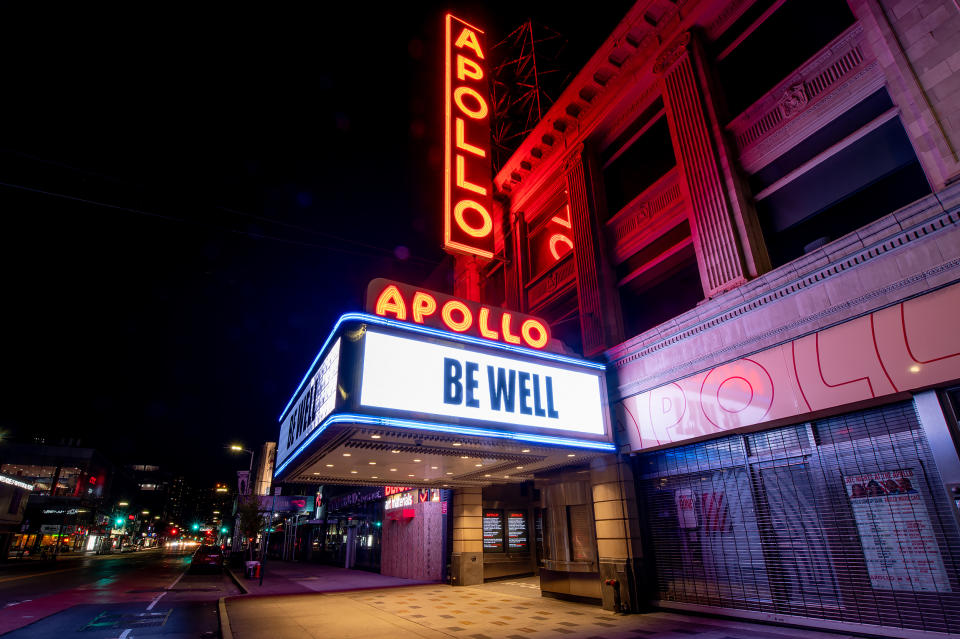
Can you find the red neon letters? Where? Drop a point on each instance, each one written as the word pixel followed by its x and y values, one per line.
pixel 467 196
pixel 407 303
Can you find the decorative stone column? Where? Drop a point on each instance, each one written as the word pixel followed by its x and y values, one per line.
pixel 466 557
pixel 466 274
pixel 600 321
pixel 726 236
pixel 618 531
pixel 513 273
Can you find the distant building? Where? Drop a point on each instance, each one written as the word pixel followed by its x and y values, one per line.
pixel 71 499
pixel 14 494
pixel 180 500
pixel 263 469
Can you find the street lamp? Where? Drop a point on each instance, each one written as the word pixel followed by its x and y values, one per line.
pixel 237 448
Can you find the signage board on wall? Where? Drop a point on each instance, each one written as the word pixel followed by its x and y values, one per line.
pixel 403 302
pixel 315 402
pixel 287 503
pixel 400 500
pixel 899 545
pixel 468 187
pixel 492 531
pixel 464 383
pixel 517 531
pixel 904 347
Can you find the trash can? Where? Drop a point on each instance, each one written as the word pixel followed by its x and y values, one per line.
pixel 253 569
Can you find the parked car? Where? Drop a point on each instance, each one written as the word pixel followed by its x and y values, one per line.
pixel 207 557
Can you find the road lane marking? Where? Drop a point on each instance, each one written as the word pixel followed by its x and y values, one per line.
pixel 177 580
pixel 123 635
pixel 155 600
pixel 38 574
pixel 170 587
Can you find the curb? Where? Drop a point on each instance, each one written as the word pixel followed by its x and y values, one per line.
pixel 225 631
pixel 236 580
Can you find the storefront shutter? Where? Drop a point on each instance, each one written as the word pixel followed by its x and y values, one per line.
pixel 842 519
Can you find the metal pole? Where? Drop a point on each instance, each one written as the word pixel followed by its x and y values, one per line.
pixel 263 551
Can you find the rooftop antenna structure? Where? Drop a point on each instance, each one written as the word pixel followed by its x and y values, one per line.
pixel 525 83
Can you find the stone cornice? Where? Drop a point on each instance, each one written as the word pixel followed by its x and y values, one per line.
pixel 922 221
pixel 618 65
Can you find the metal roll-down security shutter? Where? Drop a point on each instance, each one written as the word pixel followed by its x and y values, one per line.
pixel 841 519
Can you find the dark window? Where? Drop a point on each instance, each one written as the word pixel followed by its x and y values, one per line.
pixel 786 39
pixel 669 286
pixel 647 159
pixel 493 289
pixel 563 314
pixel 861 183
pixel 828 135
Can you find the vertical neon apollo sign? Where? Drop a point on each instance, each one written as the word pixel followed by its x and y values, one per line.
pixel 467 197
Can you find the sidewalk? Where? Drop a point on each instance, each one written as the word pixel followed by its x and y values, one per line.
pixel 504 609
pixel 284 578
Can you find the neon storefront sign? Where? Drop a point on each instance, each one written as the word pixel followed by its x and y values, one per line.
pixel 467 197
pixel 406 303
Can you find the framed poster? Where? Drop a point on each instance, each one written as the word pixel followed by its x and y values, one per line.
pixel 517 541
pixel 492 530
pixel 899 546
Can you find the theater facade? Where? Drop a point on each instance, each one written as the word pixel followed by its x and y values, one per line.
pixel 740 223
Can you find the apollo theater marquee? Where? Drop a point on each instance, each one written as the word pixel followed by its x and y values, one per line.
pixel 430 390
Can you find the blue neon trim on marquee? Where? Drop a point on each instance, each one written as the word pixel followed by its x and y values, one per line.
pixel 413 424
pixel 435 332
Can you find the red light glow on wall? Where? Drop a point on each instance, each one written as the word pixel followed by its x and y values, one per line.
pixel 468 188
pixel 551 241
pixel 430 308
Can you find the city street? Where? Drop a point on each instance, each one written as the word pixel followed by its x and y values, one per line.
pixel 106 596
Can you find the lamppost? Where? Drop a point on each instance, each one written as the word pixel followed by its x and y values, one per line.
pixel 237 448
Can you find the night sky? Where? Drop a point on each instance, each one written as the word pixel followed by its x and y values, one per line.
pixel 190 199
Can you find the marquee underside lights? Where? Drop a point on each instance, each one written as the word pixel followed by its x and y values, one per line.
pixel 435 427
pixel 468 187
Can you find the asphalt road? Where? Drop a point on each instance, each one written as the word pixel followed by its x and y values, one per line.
pixel 111 596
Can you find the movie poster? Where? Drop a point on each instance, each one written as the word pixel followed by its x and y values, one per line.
pixel 898 541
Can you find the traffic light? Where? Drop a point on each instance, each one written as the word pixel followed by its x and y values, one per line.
pixel 224 530
pixel 174 531
pixel 195 527
pixel 118 522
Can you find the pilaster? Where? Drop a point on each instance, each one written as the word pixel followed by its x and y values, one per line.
pixel 707 176
pixel 618 531
pixel 600 321
pixel 466 274
pixel 513 276
pixel 466 557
